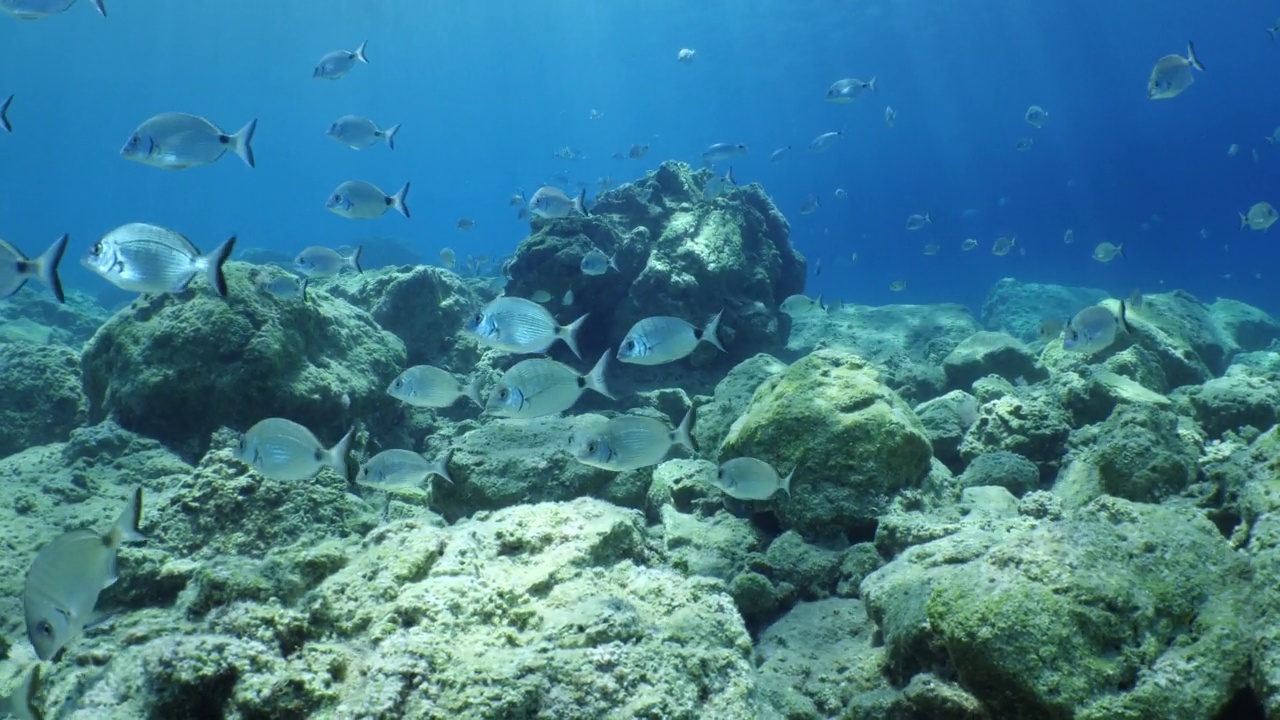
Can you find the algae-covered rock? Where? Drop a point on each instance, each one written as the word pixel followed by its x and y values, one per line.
pixel 1027 424
pixel 1018 308
pixel 176 367
pixel 1120 610
pixel 1142 454
pixel 731 398
pixel 43 401
pixel 1008 470
pixel 990 353
pixel 1233 402
pixel 947 419
pixel 853 442
pixel 1249 328
pixel 70 323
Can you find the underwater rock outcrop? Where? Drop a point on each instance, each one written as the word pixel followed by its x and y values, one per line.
pixel 43 401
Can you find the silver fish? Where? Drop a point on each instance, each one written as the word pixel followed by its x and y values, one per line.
pixel 16 269
pixel 917 221
pixel 19 702
pixel 845 91
pixel 1172 74
pixel 284 286
pixel 798 305
pixel 810 205
pixel 750 479
pixel 4 114
pixel 359 200
pixel 284 450
pixel 890 116
pixel 516 325
pixel 720 152
pixel 596 262
pixel 779 154
pixel 551 203
pixel 662 339
pixel 36 9
pixel 718 184
pixel 321 262
pixel 539 386
pixel 148 258
pixel 426 386
pixel 177 141
pixel 64 581
pixel 397 469
pixel 360 132
pixel 339 62
pixel 1094 329
pixel 825 141
pixel 631 442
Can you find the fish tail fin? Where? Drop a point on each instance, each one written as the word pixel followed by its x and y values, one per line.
pixel 472 392
pixel 711 333
pixel 596 378
pixel 101 7
pixel 47 266
pixel 390 135
pixel 1120 251
pixel 683 435
pixel 580 202
pixel 1243 220
pixel 242 142
pixel 786 481
pixel 1124 319
pixel 353 260
pixel 360 52
pixel 336 456
pixel 400 201
pixel 4 114
pixel 126 525
pixel 871 84
pixel 927 219
pixel 729 176
pixel 305 280
pixel 1191 57
pixel 441 466
pixel 213 263
pixel 821 305
pixel 569 333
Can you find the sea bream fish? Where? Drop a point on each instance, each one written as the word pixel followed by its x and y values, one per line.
pixel 400 469
pixel 718 184
pixel 66 577
pixel 846 91
pixel 359 133
pixel 426 386
pixel 177 141
pixel 551 203
pixel 541 386
pixel 140 257
pixel 318 261
pixel 825 141
pixel 516 325
pixel 285 286
pixel 720 152
pixel 338 63
pixel 36 9
pixel 631 442
pixel 750 479
pixel 359 200
pixel 1094 329
pixel 1172 74
pixel 16 268
pixel 799 305
pixel 596 262
pixel 20 702
pixel 661 339
pixel 281 449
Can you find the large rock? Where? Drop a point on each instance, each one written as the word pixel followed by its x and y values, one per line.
pixel 732 396
pixel 853 443
pixel 1234 402
pixel 1018 308
pixel 947 419
pixel 43 401
pixel 1142 453
pixel 991 353
pixel 176 367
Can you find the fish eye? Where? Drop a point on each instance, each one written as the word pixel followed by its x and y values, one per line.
pixel 44 627
pixel 337 198
pixel 399 383
pixel 593 446
pixel 504 393
pixel 97 248
pixel 630 345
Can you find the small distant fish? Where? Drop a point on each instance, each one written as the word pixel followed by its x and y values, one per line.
pixel 516 325
pixel 800 305
pixel 466 224
pixel 448 258
pixel 281 449
pixel 898 285
pixel 824 141
pixel 1069 236
pixel 1204 233
pixel 1036 116
pixel 917 221
pixel 360 132
pixel 568 153
pixel 1024 144
pixel 540 386
pixel 720 152
pixel 1050 329
pixel 637 152
pixel 551 203
pixel 177 141
pixel 148 258
pixel 400 469
pixel 4 114
pixel 1003 245
pixel 717 185
pixel 1233 150
pixel 16 269
pixel 968 244
pixel 1172 74
pixel 285 286
pixel 517 199
pixel 686 56
pixel 1260 217
pixel 567 300
pixel 810 205
pixel 750 479
pixel 1144 227
pixel 62 586
pixel 779 154
pixel 1093 329
pixel 595 115
pixel 359 200
pixel 1271 31
pixel 37 9
pixel 854 256
pixel 631 442
pixel 596 262
pixel 540 296
pixel 890 116
pixel 322 262
pixel 1105 252
pixel 427 386
pixel 841 193
pixel 1136 300
pixel 604 183
pixel 846 91
pixel 662 339
pixel 338 63
pixel 932 248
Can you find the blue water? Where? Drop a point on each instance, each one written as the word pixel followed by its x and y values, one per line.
pixel 486 91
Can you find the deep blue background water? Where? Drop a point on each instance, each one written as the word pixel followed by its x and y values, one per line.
pixel 486 91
